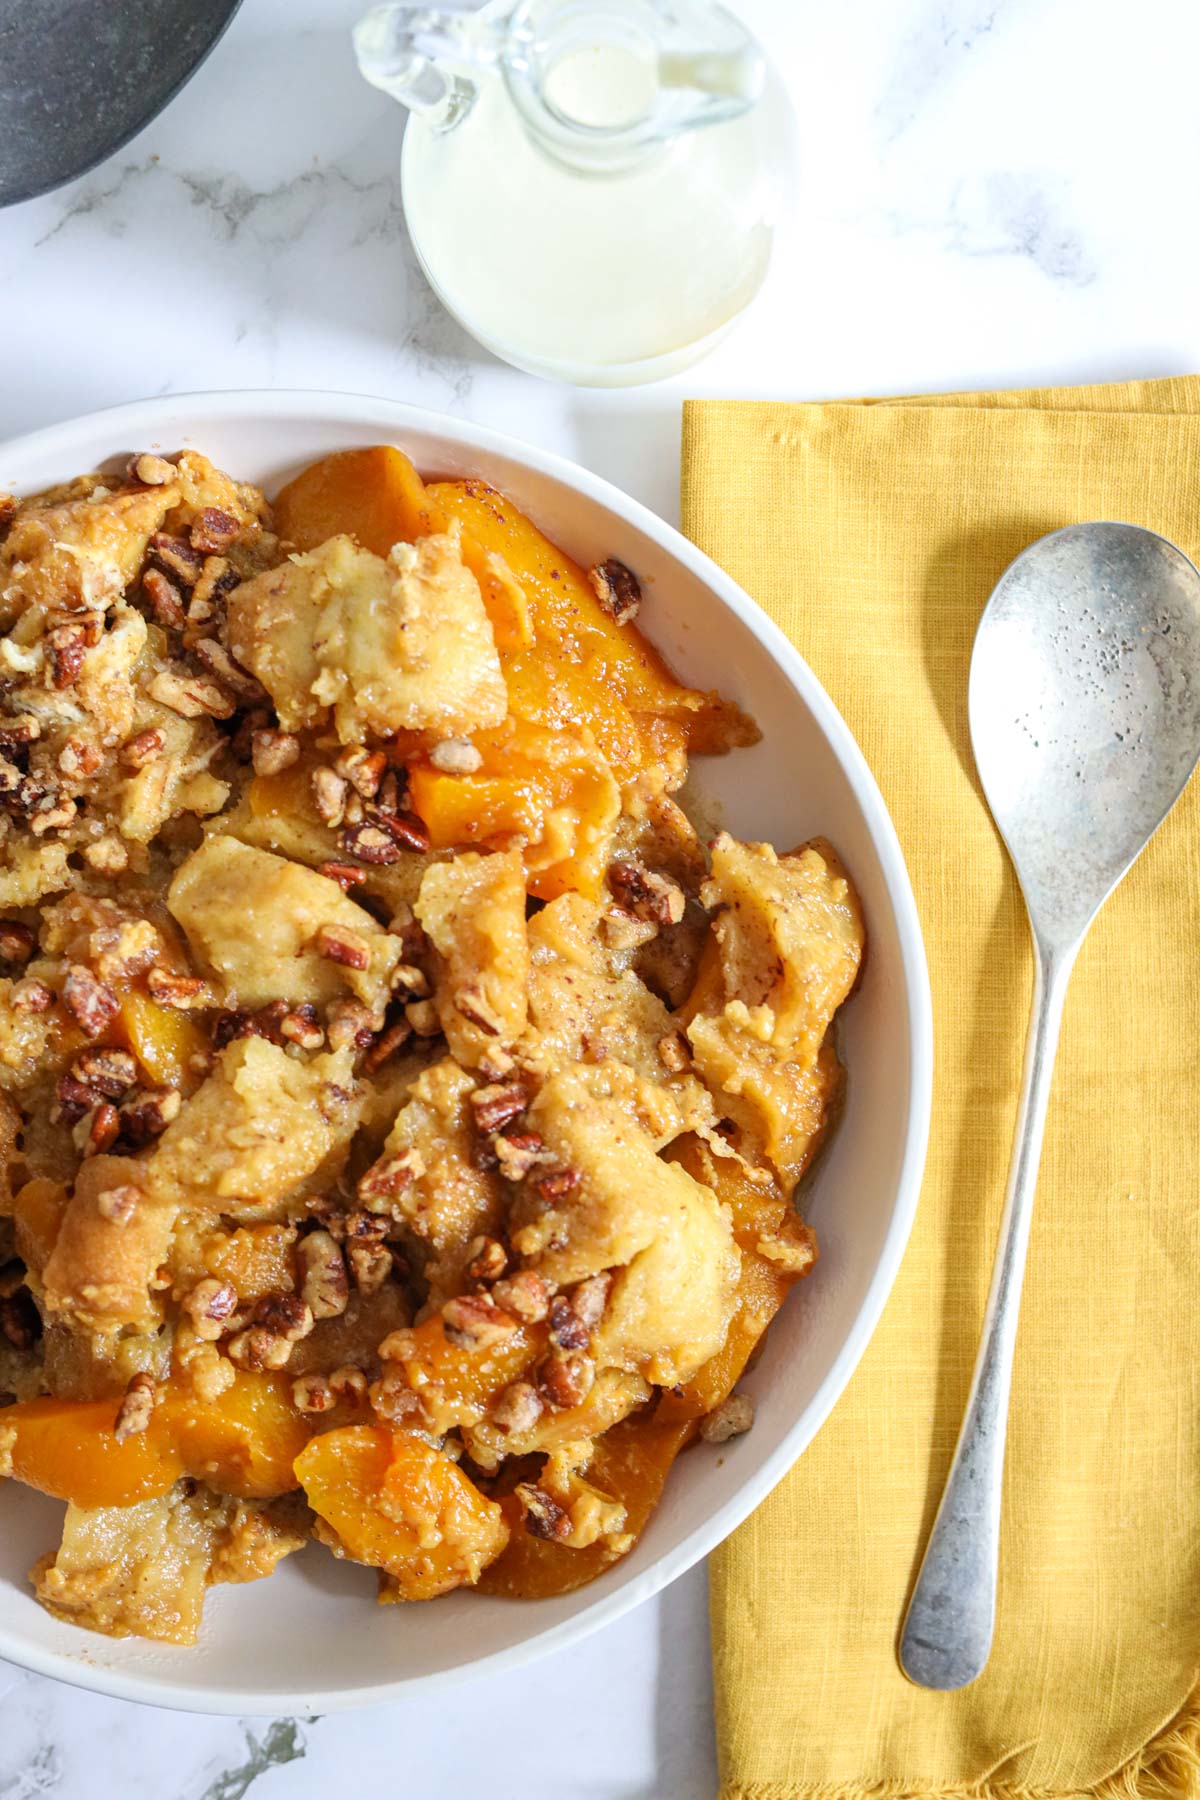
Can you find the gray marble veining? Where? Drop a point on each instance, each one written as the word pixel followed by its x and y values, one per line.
pixel 971 209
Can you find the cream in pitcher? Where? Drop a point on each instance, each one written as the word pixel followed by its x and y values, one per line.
pixel 589 184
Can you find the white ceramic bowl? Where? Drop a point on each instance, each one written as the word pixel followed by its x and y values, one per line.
pixel 310 1639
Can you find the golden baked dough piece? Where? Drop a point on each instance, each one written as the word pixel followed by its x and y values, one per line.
pixel 112 1239
pixel 270 929
pixel 791 935
pixel 449 1201
pixel 143 1570
pixel 260 1125
pixel 201 484
pixel 402 644
pixel 582 1004
pixel 665 1234
pixel 473 909
pixel 786 947
pixel 77 553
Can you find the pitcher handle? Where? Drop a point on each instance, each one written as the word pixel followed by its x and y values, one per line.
pixel 415 53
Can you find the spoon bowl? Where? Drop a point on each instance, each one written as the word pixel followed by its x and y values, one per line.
pixel 1084 708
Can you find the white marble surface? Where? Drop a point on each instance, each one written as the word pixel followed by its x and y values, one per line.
pixel 992 192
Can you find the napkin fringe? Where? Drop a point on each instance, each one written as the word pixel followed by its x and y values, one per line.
pixel 1167 1768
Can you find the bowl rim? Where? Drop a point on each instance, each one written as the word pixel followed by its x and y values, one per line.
pixel 277 406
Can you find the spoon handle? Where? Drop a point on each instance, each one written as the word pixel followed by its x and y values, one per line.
pixel 948 1631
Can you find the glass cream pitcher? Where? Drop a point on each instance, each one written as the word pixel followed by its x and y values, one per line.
pixel 589 184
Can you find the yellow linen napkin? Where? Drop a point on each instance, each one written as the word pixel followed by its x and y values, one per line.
pixel 873 534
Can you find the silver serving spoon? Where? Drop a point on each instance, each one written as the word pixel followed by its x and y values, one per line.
pixel 1085 722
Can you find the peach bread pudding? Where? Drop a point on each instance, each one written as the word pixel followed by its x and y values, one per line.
pixel 400 1107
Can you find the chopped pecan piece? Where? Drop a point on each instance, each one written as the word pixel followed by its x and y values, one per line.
pixel 134 1412
pixel 78 760
pixel 257 1348
pixel 393 1038
pixel 370 1265
pixel 349 1383
pixel 730 1419
pixel 21 729
pixel 345 874
pixel 498 1104
pixel 52 813
pixel 301 1027
pixel 324 1284
pixel 213 530
pixel 496 1064
pixel 411 933
pixel 517 1152
pixel 339 944
pixel 390 1176
pixel 151 470
pixel 567 1329
pixel 363 769
pixel 368 844
pixel 210 1305
pixel 91 1003
pixel 410 982
pixel 646 895
pixel 166 602
pixel 30 995
pixel 191 696
pixel 403 827
pixel 350 1022
pixel 17 942
pixel 456 756
pixel 65 646
pixel 470 1002
pixel 142 749
pixel 216 579
pixel 557 1184
pixel 525 1295
pixel 474 1320
pixel 230 674
pixel 487 1259
pixel 590 1298
pixel 617 589
pixel 146 1114
pixel 107 1072
pixel 118 1204
pixel 180 992
pixel 265 1022
pixel 329 796
pixel 365 1227
pixel 285 1315
pixel 271 752
pixel 544 1517
pixel 518 1408
pixel 177 557
pixel 72 1100
pixel 565 1379
pixel 312 1394
pixel 98 1131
